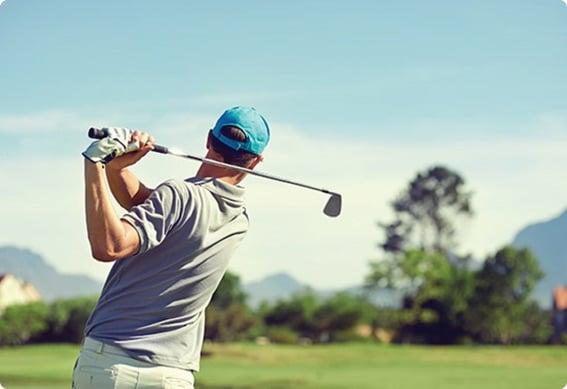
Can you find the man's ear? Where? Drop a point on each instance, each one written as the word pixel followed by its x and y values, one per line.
pixel 208 145
pixel 255 161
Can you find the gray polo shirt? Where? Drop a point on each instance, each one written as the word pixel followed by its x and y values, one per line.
pixel 153 303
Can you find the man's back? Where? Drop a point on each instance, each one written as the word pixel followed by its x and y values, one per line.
pixel 170 252
pixel 152 304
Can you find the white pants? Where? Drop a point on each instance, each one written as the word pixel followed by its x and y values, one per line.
pixel 103 366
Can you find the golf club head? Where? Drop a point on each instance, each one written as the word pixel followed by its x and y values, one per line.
pixel 333 206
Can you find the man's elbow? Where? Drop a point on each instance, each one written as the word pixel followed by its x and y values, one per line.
pixel 104 249
pixel 104 254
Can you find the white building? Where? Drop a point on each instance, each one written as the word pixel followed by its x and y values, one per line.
pixel 16 291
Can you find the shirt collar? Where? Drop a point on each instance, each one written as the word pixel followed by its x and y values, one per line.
pixel 220 187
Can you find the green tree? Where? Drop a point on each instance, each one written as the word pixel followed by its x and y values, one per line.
pixel 21 323
pixel 538 328
pixel 228 318
pixel 341 314
pixel 79 310
pixel 418 259
pixel 501 310
pixel 229 324
pixel 436 294
pixel 426 211
pixel 296 313
pixel 229 292
pixel 66 319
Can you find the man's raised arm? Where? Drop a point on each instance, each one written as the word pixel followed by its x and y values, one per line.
pixel 110 238
pixel 127 189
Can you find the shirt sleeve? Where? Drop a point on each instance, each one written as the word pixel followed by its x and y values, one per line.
pixel 157 216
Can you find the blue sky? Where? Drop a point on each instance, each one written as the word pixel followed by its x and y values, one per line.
pixel 378 88
pixel 349 65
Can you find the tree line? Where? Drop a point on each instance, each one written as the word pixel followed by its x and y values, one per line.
pixel 446 298
pixel 302 317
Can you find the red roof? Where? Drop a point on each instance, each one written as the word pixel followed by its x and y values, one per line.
pixel 560 298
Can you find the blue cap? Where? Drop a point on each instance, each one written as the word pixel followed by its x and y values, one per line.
pixel 254 126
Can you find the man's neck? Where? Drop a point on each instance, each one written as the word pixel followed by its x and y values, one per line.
pixel 225 175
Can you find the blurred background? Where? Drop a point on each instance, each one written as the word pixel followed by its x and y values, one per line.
pixel 443 124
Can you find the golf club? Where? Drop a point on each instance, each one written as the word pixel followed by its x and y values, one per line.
pixel 332 208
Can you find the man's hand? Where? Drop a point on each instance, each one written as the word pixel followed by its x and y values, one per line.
pixel 143 142
pixel 125 186
pixel 119 141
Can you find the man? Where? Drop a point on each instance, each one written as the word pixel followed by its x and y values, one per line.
pixel 170 252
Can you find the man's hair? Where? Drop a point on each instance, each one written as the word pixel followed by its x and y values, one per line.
pixel 233 157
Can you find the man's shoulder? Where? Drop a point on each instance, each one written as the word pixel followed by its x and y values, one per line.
pixel 176 185
pixel 198 192
pixel 172 183
pixel 185 190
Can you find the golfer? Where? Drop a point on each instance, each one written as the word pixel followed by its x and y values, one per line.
pixel 170 251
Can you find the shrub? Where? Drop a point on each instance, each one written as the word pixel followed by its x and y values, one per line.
pixel 282 335
pixel 20 323
pixel 230 324
pixel 67 319
pixel 349 336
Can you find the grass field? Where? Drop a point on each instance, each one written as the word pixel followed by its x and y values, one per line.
pixel 336 366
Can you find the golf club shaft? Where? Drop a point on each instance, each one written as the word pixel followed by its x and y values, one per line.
pixel 97 133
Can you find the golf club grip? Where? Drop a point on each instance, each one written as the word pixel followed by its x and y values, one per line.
pixel 98 133
pixel 160 149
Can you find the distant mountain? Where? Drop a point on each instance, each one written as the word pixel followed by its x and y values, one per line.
pixel 32 268
pixel 548 241
pixel 272 288
pixel 282 285
pixel 384 298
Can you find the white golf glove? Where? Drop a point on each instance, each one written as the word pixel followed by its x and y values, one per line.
pixel 114 145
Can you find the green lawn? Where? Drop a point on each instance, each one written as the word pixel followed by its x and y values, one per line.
pixel 336 366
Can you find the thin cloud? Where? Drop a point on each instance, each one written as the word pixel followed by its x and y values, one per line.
pixel 40 122
pixel 60 121
pixel 552 124
pixel 516 180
